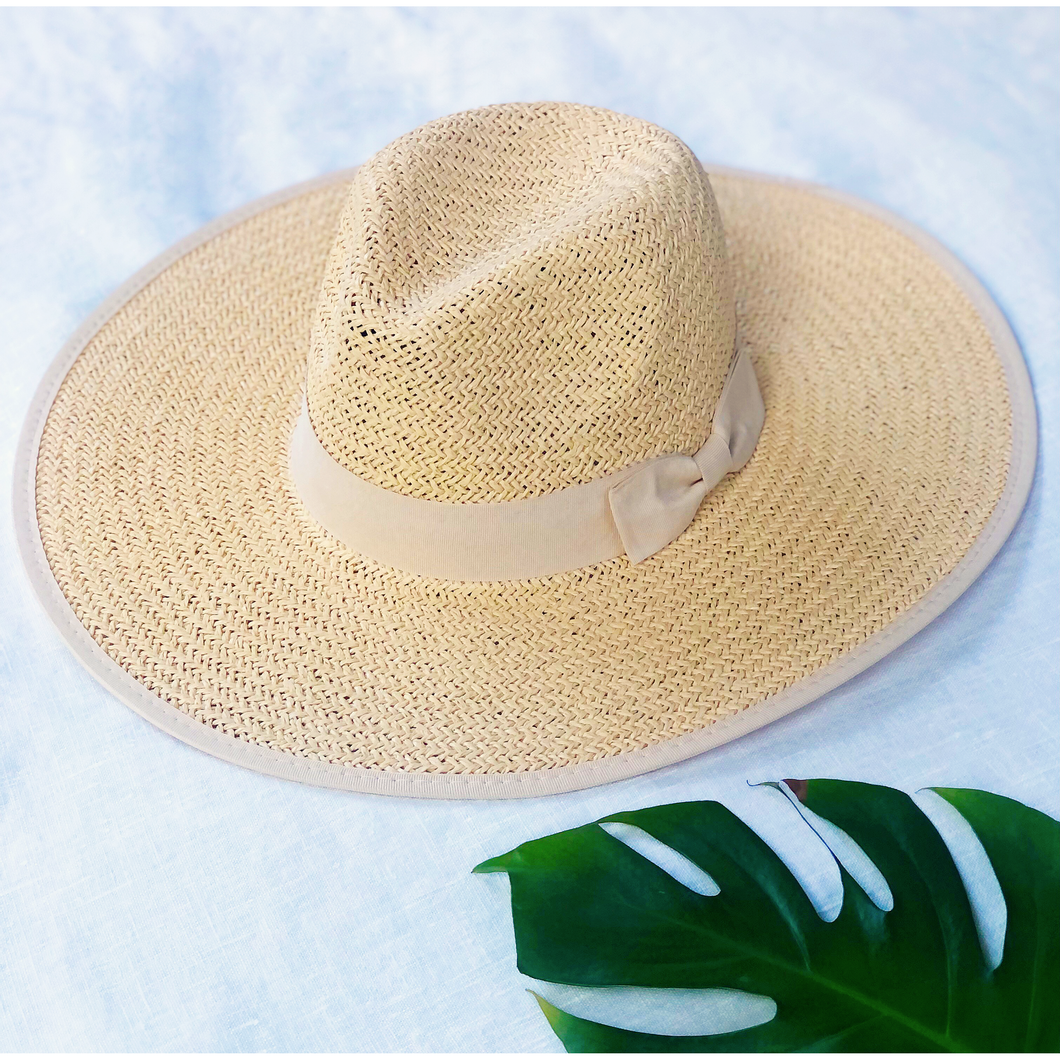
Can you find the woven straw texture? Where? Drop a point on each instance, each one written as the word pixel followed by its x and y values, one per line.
pixel 571 316
pixel 171 526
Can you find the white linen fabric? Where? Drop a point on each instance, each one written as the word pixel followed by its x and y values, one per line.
pixel 153 898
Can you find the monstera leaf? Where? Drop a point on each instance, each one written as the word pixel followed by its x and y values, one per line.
pixel 590 911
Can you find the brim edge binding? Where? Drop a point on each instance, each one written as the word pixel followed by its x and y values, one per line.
pixel 562 779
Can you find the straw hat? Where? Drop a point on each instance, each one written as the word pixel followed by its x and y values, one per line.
pixel 522 458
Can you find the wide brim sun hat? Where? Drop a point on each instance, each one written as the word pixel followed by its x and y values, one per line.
pixel 527 456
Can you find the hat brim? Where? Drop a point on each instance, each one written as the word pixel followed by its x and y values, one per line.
pixel 160 529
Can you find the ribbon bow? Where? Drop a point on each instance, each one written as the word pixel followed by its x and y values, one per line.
pixel 655 505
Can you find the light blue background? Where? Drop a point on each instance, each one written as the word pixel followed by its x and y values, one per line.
pixel 152 898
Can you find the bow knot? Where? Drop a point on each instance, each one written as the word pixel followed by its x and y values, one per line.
pixel 655 505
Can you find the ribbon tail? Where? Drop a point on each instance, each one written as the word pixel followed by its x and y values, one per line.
pixel 654 505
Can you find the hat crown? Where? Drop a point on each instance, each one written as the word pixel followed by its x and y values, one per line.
pixel 521 298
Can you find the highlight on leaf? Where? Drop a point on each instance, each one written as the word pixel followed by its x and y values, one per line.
pixel 899 969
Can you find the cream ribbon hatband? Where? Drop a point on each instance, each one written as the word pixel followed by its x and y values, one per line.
pixel 635 511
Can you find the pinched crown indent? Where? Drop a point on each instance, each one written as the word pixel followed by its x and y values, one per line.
pixel 521 298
